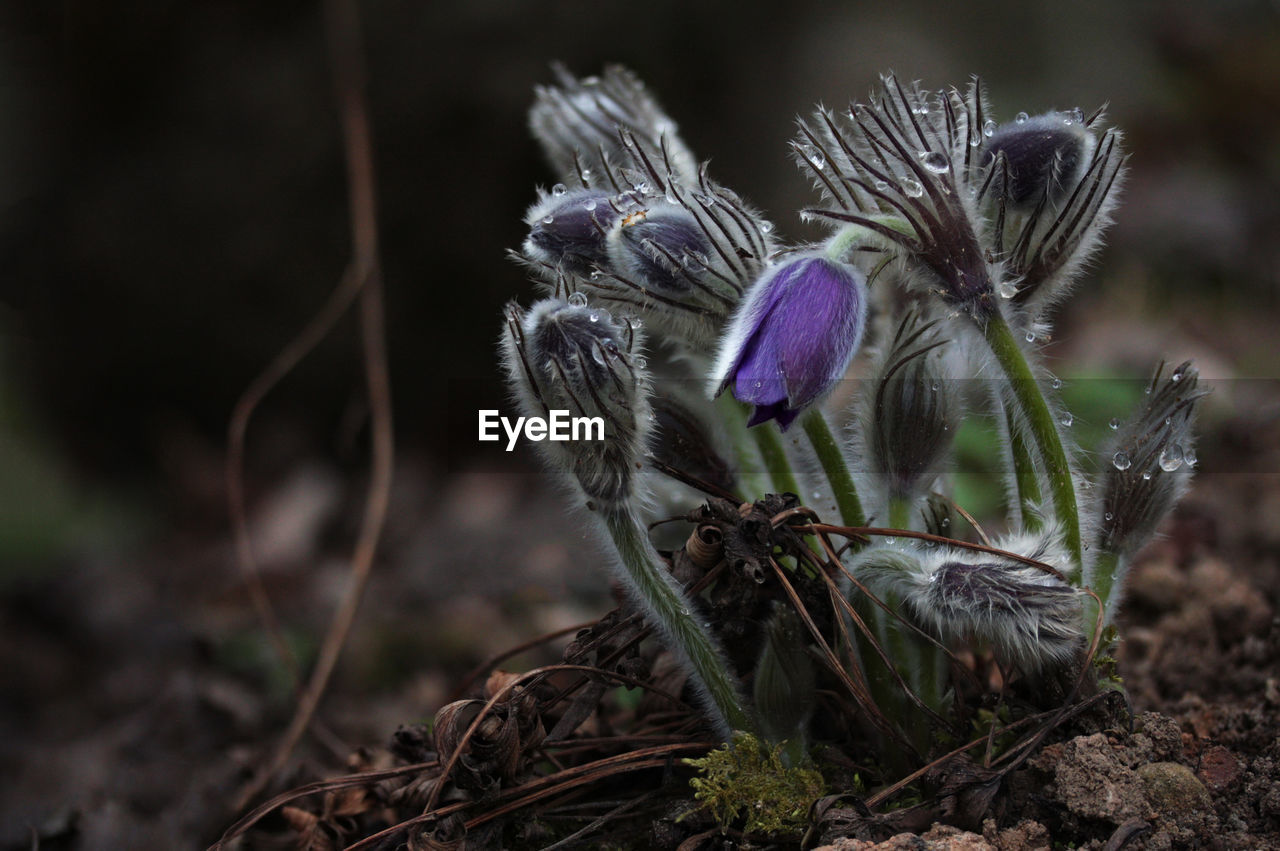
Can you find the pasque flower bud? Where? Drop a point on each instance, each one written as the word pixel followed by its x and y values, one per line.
pixel 1045 156
pixel 578 123
pixel 575 358
pixel 568 228
pixel 793 336
pixel 914 410
pixel 1029 616
pixel 1146 469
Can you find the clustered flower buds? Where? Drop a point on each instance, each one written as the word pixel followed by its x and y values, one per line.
pixel 963 230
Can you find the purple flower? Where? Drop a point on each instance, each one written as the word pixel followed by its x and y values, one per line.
pixel 793 337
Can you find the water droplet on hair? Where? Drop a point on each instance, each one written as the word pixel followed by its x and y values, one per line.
pixel 988 128
pixel 1121 461
pixel 1067 419
pixel 589 205
pixel 1108 516
pixel 595 275
pixel 1031 336
pixel 935 161
pixel 1177 375
pixel 766 227
pixel 559 189
pixel 1114 423
pixel 586 176
pixel 911 187
pixel 757 384
pixel 546 220
pixel 578 299
pixel 640 361
pixel 1007 289
pixel 1056 383
pixel 1171 458
pixel 816 158
pixel 635 323
pixel 641 186
pixel 1146 475
pixel 1021 118
pixel 881 185
pixel 1189 457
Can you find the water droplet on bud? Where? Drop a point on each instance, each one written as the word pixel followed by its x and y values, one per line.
pixel 1021 118
pixel 1171 458
pixel 1056 383
pixel 1031 336
pixel 935 161
pixel 988 128
pixel 1108 516
pixel 766 227
pixel 559 189
pixel 1007 289
pixel 1114 423
pixel 911 187
pixel 1121 461
pixel 578 299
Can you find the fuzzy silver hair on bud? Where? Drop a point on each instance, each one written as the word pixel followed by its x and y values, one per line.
pixel 1029 616
pixel 571 357
pixel 577 121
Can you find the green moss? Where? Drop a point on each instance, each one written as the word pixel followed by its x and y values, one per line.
pixel 746 780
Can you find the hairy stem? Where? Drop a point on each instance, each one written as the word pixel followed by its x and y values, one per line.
pixel 1025 479
pixel 666 604
pixel 774 454
pixel 753 481
pixel 1044 430
pixel 827 448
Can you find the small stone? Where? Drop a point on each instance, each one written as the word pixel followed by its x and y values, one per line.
pixel 1172 789
pixel 1219 768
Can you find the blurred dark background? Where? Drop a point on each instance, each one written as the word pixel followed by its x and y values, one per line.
pixel 172 210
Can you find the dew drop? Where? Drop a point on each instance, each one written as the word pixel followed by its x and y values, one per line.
pixel 635 323
pixel 586 176
pixel 766 227
pixel 548 220
pixel 1056 383
pixel 1121 461
pixel 559 189
pixel 578 299
pixel 988 128
pixel 1007 289
pixel 589 205
pixel 1189 457
pixel 1114 423
pixel 881 185
pixel 1171 458
pixel 1021 118
pixel 757 384
pixel 1146 475
pixel 1177 375
pixel 817 494
pixel 815 158
pixel 640 361
pixel 935 161
pixel 595 275
pixel 1108 516
pixel 1031 336
pixel 1067 419
pixel 911 187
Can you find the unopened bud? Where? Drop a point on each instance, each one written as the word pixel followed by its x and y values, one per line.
pixel 1045 156
pixel 1146 467
pixel 575 358
pixel 1028 615
pixel 567 231
pixel 915 408
pixel 785 681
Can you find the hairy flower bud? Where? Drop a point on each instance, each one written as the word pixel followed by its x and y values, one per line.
pixel 914 410
pixel 785 681
pixel 1146 467
pixel 567 229
pixel 1029 616
pixel 571 357
pixel 662 248
pixel 793 337
pixel 1045 156
pixel 578 123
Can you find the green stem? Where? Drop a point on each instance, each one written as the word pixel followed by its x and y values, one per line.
pixel 1044 430
pixel 827 448
pixel 774 454
pixel 1107 574
pixel 1025 479
pixel 753 483
pixel 665 600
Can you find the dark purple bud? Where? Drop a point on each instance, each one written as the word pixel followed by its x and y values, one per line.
pixel 1045 154
pixel 567 229
pixel 793 337
pixel 662 248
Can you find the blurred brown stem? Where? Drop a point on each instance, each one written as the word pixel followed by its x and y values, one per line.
pixel 364 275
